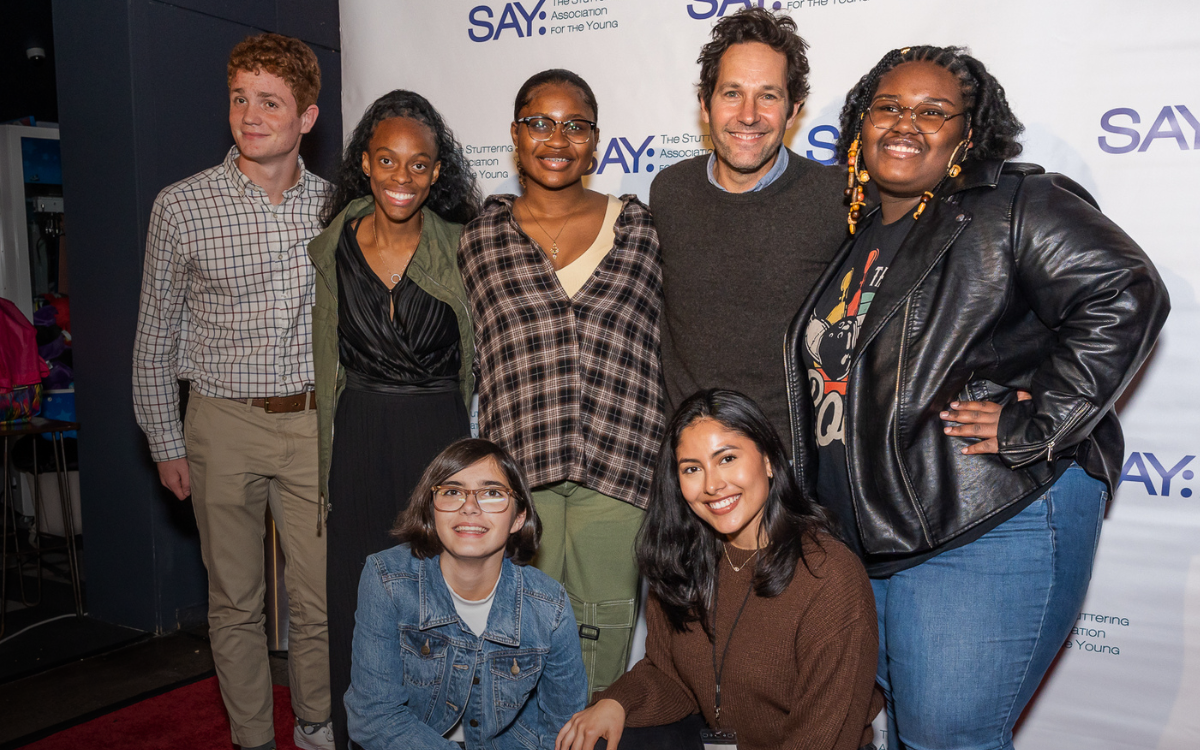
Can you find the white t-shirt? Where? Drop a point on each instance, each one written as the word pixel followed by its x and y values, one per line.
pixel 475 615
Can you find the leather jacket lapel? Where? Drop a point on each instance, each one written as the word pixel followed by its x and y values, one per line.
pixel 924 246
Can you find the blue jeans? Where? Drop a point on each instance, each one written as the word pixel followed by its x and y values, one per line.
pixel 966 637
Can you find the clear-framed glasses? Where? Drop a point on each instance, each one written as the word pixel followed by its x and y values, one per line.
pixel 541 128
pixel 449 499
pixel 927 119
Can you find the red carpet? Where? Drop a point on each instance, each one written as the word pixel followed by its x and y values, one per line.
pixel 188 718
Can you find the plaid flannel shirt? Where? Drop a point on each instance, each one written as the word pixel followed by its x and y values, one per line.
pixel 570 386
pixel 227 296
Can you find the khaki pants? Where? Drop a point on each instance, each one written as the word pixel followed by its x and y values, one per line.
pixel 242 459
pixel 587 545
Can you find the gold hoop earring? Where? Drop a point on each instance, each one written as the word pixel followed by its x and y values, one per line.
pixel 953 169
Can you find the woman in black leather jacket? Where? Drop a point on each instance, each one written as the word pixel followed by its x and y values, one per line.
pixel 963 430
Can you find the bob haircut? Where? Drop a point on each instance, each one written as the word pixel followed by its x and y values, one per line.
pixel 993 126
pixel 679 554
pixel 455 197
pixel 755 25
pixel 415 525
pixel 283 56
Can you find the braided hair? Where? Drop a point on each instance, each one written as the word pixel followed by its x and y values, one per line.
pixel 994 127
pixel 454 197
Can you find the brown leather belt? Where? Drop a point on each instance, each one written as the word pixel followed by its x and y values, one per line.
pixel 281 404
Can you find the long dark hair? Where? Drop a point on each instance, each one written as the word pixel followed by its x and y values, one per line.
pixel 679 554
pixel 415 525
pixel 994 126
pixel 454 197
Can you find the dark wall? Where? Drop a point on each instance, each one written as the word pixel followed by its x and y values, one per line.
pixel 28 88
pixel 143 103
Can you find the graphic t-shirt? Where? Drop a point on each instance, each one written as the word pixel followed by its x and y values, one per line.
pixel 829 342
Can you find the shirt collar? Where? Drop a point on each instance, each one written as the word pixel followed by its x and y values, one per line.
pixel 777 169
pixel 504 621
pixel 243 184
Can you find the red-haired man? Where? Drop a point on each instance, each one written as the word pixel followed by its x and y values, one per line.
pixel 226 304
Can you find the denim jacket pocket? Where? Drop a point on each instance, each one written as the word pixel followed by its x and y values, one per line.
pixel 514 675
pixel 424 657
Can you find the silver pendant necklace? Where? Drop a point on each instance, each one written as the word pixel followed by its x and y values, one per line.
pixel 395 278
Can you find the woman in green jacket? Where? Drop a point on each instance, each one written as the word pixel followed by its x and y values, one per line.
pixel 392 341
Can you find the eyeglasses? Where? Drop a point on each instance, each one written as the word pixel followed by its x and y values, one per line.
pixel 927 119
pixel 450 499
pixel 541 128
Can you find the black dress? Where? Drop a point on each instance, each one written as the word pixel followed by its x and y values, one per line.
pixel 401 407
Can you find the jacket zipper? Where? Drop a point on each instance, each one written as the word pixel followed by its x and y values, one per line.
pixel 912 495
pixel 789 373
pixel 1076 417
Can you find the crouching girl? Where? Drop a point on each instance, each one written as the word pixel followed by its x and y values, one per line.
pixel 456 640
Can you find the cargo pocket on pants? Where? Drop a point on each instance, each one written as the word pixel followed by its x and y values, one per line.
pixel 605 632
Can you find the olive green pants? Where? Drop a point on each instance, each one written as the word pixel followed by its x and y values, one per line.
pixel 587 545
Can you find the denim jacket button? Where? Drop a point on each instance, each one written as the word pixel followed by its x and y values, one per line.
pixel 473 723
pixel 475 680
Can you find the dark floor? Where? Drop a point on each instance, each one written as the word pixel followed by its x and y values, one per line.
pixel 57 669
pixel 88 687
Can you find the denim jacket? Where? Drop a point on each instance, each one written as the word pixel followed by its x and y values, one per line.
pixel 418 669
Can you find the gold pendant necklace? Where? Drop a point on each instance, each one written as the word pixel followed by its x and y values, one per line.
pixel 554 239
pixel 736 568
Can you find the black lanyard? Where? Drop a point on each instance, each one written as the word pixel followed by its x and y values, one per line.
pixel 725 653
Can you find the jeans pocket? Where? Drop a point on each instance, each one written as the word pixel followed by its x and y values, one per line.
pixel 424 658
pixel 514 675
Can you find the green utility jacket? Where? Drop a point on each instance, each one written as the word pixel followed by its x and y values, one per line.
pixel 434 268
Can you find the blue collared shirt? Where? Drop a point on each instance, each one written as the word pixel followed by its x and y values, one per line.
pixel 418 669
pixel 777 169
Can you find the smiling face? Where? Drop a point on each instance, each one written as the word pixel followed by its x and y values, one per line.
pixel 401 163
pixel 469 534
pixel 902 162
pixel 725 479
pixel 748 113
pixel 555 163
pixel 263 117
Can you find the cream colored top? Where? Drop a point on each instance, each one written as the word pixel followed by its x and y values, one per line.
pixel 575 275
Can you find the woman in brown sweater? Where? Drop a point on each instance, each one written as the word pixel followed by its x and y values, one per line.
pixel 759 620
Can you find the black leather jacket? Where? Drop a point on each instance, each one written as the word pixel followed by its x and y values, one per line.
pixel 1012 278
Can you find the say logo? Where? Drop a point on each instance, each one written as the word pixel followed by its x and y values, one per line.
pixel 621 152
pixel 700 9
pixel 1166 127
pixel 513 16
pixel 1148 469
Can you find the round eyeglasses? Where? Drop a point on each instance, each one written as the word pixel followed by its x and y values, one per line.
pixel 450 499
pixel 542 128
pixel 927 119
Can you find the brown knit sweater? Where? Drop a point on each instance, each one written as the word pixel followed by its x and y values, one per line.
pixel 801 666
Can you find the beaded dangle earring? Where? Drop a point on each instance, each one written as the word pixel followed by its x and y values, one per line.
pixel 924 199
pixel 857 178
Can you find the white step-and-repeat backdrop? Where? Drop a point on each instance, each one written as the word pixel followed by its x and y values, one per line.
pixel 1109 91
